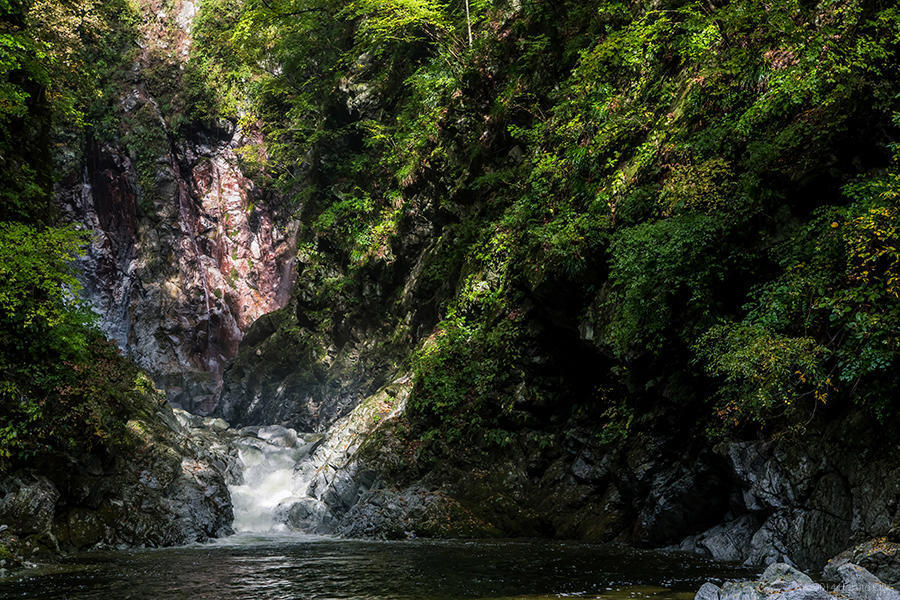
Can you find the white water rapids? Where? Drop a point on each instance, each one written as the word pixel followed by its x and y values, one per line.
pixel 283 481
pixel 271 485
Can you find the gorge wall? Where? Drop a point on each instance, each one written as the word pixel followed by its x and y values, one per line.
pixel 187 251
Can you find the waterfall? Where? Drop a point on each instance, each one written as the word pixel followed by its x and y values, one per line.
pixel 270 487
pixel 280 480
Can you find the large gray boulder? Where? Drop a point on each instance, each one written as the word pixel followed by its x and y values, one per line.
pixel 879 556
pixel 781 581
pixel 859 584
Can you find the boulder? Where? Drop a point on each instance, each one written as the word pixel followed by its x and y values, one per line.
pixel 708 591
pixel 879 556
pixel 727 541
pixel 858 583
pixel 27 504
pixel 306 514
pixel 781 581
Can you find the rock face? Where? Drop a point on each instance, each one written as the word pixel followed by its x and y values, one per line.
pixel 328 484
pixel 28 502
pixel 806 504
pixel 362 480
pixel 306 383
pixel 164 489
pixel 755 502
pixel 187 252
pixel 337 481
pixel 309 364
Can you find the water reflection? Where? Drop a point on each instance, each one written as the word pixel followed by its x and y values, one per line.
pixel 290 568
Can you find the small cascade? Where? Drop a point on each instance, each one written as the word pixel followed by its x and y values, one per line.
pixel 283 481
pixel 280 480
pixel 270 486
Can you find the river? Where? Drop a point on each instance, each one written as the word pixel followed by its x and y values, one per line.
pixel 299 567
pixel 266 560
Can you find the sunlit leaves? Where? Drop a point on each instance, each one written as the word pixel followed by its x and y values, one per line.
pixel 38 288
pixel 398 21
pixel 766 374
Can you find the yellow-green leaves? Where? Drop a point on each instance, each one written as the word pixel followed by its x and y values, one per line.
pixel 873 241
pixel 398 21
pixel 765 374
pixel 705 187
pixel 38 288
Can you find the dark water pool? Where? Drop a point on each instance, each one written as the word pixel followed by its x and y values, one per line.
pixel 289 568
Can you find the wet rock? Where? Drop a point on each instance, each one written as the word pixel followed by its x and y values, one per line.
pixel 307 515
pixel 859 584
pixel 680 497
pixel 278 435
pixel 27 503
pixel 879 556
pixel 779 582
pixel 217 424
pixel 726 542
pixel 412 512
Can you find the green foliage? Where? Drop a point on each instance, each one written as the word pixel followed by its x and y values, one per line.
pixel 38 297
pixel 667 278
pixel 705 187
pixel 765 374
pixel 666 177
pixel 71 408
pixel 827 325
pixel 52 55
pixel 463 382
pixel 397 21
pixel 63 388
